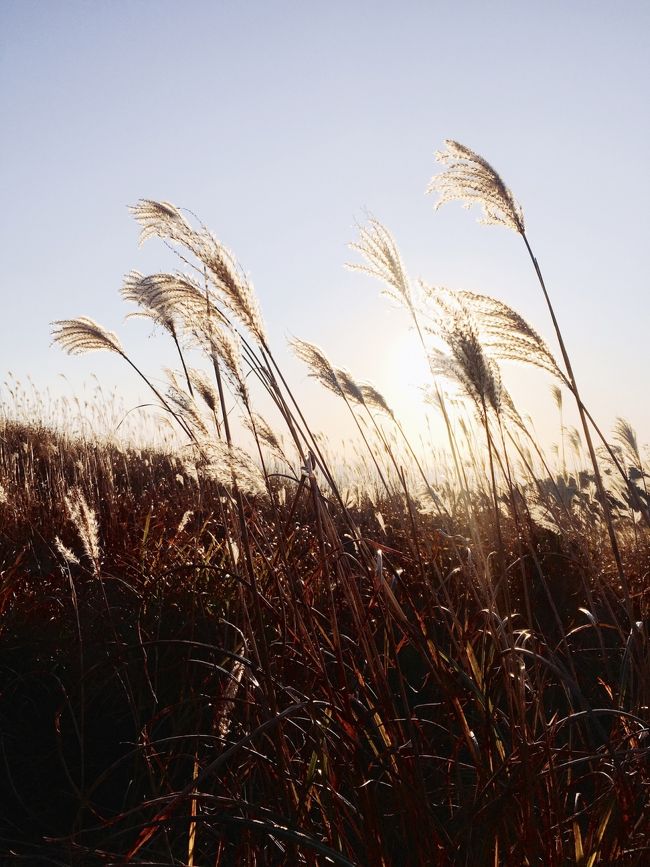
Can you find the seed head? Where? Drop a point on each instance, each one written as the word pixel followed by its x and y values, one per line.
pixel 383 261
pixel 470 179
pixel 80 335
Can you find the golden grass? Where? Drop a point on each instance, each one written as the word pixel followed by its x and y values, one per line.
pixel 229 656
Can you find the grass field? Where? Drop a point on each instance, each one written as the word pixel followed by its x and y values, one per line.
pixel 224 655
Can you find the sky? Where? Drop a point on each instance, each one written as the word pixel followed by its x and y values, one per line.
pixel 284 124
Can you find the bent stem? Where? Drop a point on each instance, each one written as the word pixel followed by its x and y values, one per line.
pixel 165 403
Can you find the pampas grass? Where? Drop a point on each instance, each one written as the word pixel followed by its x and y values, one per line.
pixel 241 645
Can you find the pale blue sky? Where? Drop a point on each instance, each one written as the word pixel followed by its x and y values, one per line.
pixel 279 123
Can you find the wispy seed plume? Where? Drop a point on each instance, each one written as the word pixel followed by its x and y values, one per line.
pixel 383 261
pixel 470 179
pixel 85 522
pixel 376 400
pixel 76 336
pixel 234 289
pixel 319 365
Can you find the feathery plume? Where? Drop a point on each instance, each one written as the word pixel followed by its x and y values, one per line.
pixel 85 521
pixel 166 295
pixel 225 347
pixel 69 556
pixel 227 465
pixel 161 220
pixel 626 435
pixel 169 300
pixel 144 293
pixel 507 335
pixel 261 429
pixel 235 291
pixel 379 249
pixel 169 296
pixel 467 365
pixel 466 361
pixel 348 386
pixel 574 439
pixel 233 286
pixel 203 385
pixel 186 407
pixel 372 398
pixel 184 520
pixel 511 412
pixel 470 179
pixel 319 365
pixel 83 334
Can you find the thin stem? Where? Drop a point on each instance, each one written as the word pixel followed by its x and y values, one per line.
pixel 178 418
pixel 602 496
pixel 495 497
pixel 185 371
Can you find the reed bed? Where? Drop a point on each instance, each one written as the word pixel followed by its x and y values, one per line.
pixel 228 645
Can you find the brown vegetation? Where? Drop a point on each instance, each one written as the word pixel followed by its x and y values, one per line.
pixel 212 656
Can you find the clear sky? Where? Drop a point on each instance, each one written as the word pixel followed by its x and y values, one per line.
pixel 281 123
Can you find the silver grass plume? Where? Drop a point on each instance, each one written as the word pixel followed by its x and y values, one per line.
pixel 349 388
pixel 557 396
pixel 466 361
pixel 154 305
pixel 83 334
pixel 574 439
pixel 338 381
pixel 168 296
pixel 470 179
pixel 235 291
pixel 85 522
pixel 69 556
pixel 320 367
pixel 234 287
pixel 467 365
pixel 228 465
pixel 261 429
pixel 185 406
pixel 507 335
pixel 168 299
pixel 372 398
pixel 225 347
pixel 383 261
pixel 184 520
pixel 200 318
pixel 203 385
pixel 510 411
pixel 161 220
pixel 437 397
pixel 625 435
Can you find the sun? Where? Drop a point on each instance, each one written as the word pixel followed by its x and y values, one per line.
pixel 406 367
pixel 405 373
